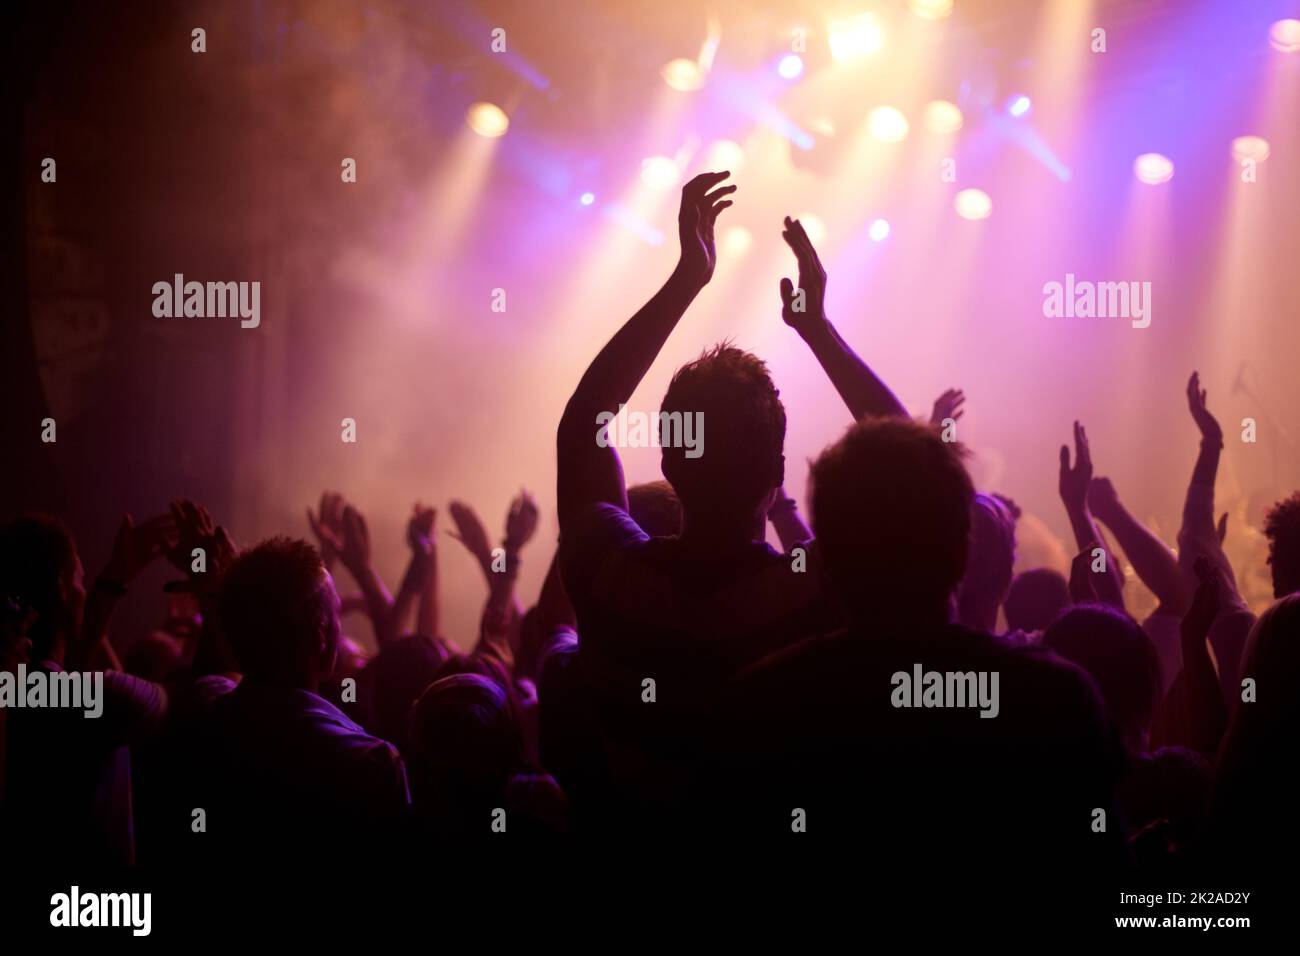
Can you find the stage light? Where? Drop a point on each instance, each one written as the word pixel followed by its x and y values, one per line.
pixel 736 241
pixel 725 154
pixel 1250 147
pixel 931 9
pixel 813 225
pixel 1285 36
pixel 1153 168
pixel 791 66
pixel 879 230
pixel 1019 105
pixel 587 198
pixel 487 119
pixel 887 125
pixel 660 172
pixel 973 204
pixel 683 75
pixel 942 117
pixel 855 37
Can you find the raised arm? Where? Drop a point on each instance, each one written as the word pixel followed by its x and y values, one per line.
pixel 327 525
pixel 134 548
pixel 420 573
pixel 588 471
pixel 1199 714
pixel 1154 563
pixel 499 628
pixel 1073 486
pixel 1199 535
pixel 428 612
pixel 356 557
pixel 195 529
pixel 804 310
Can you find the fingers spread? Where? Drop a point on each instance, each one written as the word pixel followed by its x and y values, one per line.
pixel 719 193
pixel 701 184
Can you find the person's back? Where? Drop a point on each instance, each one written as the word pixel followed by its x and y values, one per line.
pixel 666 621
pixel 663 623
pixel 904 733
pixel 943 742
pixel 1253 822
pixel 286 766
pixel 70 795
pixel 67 794
pixel 662 631
pixel 277 765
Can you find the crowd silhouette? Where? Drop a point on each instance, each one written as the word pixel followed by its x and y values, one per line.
pixel 677 676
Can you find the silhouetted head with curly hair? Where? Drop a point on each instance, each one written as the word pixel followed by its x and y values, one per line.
pixel 1282 526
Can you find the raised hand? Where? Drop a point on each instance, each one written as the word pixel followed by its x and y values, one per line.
pixel 1082 590
pixel 1209 426
pixel 695 221
pixel 1205 601
pixel 327 525
pixel 810 312
pixel 419 530
pixel 470 532
pixel 521 521
pixel 135 546
pixel 1073 483
pixel 947 405
pixel 224 549
pixel 1204 718
pixel 194 529
pixel 1103 499
pixel 355 552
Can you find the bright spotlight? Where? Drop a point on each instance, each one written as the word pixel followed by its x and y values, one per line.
pixel 683 75
pixel 973 204
pixel 942 117
pixel 879 230
pixel 791 66
pixel 813 225
pixel 887 125
pixel 660 172
pixel 487 119
pixel 931 9
pixel 736 241
pixel 854 38
pixel 1153 168
pixel 587 198
pixel 725 154
pixel 1019 105
pixel 1285 36
pixel 1250 147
